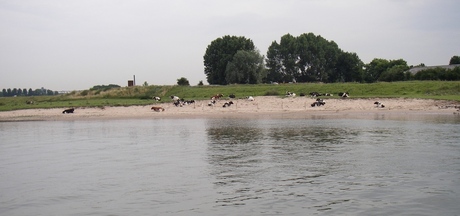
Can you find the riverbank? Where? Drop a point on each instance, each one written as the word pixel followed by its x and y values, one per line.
pixel 261 107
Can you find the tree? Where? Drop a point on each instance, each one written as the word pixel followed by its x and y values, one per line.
pixel 395 73
pixel 30 92
pixel 247 67
pixel 374 69
pixel 183 81
pixel 454 60
pixel 219 53
pixel 382 67
pixel 304 58
pixel 200 83
pixel 145 84
pixel 349 68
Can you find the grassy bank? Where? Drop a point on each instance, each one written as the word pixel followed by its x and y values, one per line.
pixel 140 95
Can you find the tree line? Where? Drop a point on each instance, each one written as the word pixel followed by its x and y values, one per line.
pixel 305 58
pixel 24 92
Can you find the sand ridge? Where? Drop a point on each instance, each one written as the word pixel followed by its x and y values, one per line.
pixel 262 106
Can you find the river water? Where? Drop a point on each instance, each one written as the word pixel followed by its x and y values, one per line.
pixel 231 167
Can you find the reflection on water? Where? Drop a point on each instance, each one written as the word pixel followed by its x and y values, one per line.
pixel 330 166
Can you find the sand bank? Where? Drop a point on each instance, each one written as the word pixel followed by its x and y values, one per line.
pixel 261 107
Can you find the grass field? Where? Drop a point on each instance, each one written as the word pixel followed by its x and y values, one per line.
pixel 139 95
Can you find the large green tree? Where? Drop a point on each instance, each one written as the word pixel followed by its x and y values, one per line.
pixel 310 58
pixel 247 67
pixel 349 68
pixel 219 53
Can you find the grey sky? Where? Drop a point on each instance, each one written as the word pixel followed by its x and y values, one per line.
pixel 74 45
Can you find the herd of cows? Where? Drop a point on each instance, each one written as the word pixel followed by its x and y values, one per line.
pixel 180 102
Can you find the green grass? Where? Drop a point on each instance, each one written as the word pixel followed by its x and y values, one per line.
pixel 138 95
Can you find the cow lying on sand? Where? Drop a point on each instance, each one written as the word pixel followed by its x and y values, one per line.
pixel 379 105
pixel 157 109
pixel 212 103
pixel 227 104
pixel 318 102
pixel 68 110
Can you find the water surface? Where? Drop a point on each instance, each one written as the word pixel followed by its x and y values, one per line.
pixel 231 167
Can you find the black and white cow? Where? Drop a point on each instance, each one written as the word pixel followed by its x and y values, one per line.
pixel 188 102
pixel 379 105
pixel 344 94
pixel 68 110
pixel 174 98
pixel 156 98
pixel 318 102
pixel 315 94
pixel 177 103
pixel 227 104
pixel 212 103
pixel 290 94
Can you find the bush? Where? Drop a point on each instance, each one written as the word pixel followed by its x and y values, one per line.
pixel 183 81
pixel 84 92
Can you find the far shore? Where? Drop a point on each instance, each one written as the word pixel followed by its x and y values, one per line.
pixel 261 107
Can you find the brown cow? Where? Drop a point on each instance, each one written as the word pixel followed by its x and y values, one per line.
pixel 217 96
pixel 157 109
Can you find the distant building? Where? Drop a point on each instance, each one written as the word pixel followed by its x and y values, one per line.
pixel 415 70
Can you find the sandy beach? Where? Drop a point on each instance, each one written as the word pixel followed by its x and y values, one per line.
pixel 261 107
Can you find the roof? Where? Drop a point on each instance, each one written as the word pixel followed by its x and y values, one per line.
pixel 414 70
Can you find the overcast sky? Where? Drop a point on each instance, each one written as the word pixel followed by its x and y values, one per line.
pixel 74 45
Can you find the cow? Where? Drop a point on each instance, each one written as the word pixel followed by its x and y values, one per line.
pixel 344 94
pixel 250 98
pixel 68 110
pixel 232 96
pixel 157 109
pixel 318 102
pixel 156 98
pixel 290 94
pixel 188 102
pixel 227 104
pixel 174 98
pixel 379 105
pixel 315 94
pixel 217 97
pixel 212 103
pixel 177 103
